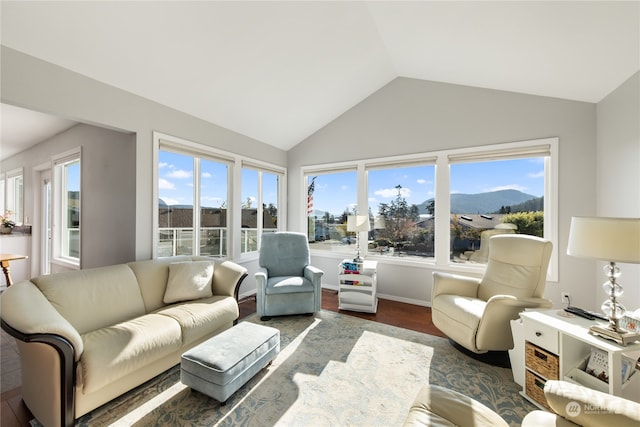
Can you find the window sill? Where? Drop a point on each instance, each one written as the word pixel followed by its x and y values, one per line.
pixel 66 263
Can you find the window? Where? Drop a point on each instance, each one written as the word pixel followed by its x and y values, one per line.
pixel 210 202
pixel 259 206
pixel 331 197
pixel 181 178
pixel 401 205
pixel 438 207
pixel 13 195
pixel 213 208
pixel 494 197
pixel 67 208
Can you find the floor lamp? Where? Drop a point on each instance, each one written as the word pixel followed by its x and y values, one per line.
pixel 357 224
pixel 613 240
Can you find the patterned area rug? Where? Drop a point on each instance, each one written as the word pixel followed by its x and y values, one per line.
pixel 332 370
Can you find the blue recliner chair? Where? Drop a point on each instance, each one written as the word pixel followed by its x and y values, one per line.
pixel 285 282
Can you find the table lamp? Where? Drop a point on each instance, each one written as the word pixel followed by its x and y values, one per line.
pixel 358 223
pixel 613 240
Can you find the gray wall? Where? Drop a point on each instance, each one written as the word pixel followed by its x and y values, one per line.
pixel 412 116
pixel 108 198
pixel 618 174
pixel 32 83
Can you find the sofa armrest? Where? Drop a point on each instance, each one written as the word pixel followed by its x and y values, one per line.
pixel 227 278
pixel 453 284
pixel 43 319
pixel 590 408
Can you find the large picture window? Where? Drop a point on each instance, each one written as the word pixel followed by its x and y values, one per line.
pixel 439 207
pixel 402 210
pixel 494 197
pixel 210 202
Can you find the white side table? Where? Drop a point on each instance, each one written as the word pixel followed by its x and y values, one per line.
pixel 557 347
pixel 357 288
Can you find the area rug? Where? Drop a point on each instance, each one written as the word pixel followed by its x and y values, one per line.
pixel 332 370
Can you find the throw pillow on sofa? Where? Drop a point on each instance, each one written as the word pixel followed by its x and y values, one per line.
pixel 188 281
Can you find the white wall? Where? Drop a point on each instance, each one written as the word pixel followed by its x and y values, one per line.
pixel 108 192
pixel 618 175
pixel 412 116
pixel 32 83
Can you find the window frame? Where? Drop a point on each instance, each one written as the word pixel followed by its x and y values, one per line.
pixel 261 170
pixel 60 207
pixel 235 164
pixel 13 194
pixel 442 159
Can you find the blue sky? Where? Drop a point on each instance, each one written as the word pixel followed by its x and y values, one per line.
pixel 335 192
pixel 175 183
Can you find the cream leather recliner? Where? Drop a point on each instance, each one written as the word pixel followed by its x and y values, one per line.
pixel 572 404
pixel 475 312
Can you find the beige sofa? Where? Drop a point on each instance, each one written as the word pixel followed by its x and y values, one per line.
pixel 88 336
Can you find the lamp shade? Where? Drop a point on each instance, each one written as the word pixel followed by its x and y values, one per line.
pixel 358 223
pixel 609 239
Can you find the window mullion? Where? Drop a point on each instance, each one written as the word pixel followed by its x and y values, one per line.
pixel 441 213
pixel 196 206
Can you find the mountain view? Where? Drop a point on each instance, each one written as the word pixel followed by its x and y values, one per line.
pixel 482 203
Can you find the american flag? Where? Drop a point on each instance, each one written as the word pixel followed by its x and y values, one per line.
pixel 310 190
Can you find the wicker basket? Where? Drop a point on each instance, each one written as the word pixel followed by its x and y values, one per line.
pixel 541 361
pixel 534 387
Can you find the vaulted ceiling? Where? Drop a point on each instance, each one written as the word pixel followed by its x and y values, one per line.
pixel 279 71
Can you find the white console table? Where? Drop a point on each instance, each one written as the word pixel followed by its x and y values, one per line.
pixel 548 345
pixel 357 290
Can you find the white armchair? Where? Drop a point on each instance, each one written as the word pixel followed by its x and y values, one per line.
pixel 476 313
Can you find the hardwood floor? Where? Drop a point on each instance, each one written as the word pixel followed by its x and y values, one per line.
pixel 15 414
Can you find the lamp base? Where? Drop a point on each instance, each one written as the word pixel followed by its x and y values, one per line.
pixel 621 337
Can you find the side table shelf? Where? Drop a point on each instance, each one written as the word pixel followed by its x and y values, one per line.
pixel 357 286
pixel 549 345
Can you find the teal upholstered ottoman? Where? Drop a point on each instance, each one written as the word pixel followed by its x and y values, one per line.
pixel 221 365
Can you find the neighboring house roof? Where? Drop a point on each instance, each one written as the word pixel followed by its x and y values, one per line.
pixel 182 217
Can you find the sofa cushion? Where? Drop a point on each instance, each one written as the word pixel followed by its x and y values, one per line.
pixel 188 280
pixel 94 298
pixel 200 318
pixel 152 275
pixel 111 353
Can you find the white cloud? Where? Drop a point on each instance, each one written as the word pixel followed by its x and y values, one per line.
pixel 163 165
pixel 164 184
pixel 389 193
pixel 180 174
pixel 536 175
pixel 206 175
pixel 421 181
